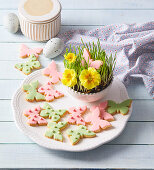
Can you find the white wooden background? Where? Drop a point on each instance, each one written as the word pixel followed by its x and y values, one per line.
pixel 133 149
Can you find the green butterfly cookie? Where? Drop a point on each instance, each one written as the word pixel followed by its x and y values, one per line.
pixel 122 107
pixel 32 93
pixel 49 112
pixel 31 64
pixel 81 132
pixel 54 131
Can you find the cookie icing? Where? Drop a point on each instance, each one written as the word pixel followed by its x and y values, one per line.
pixel 122 107
pixel 32 93
pixel 34 118
pixel 103 114
pixel 97 123
pixel 54 131
pixel 49 92
pixel 26 52
pixel 81 132
pixel 52 72
pixel 28 66
pixel 48 111
pixel 33 111
pixel 87 57
pixel 75 116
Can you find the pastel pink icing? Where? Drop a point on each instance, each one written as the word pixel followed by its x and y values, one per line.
pixel 36 120
pixel 25 51
pixel 33 116
pixel 49 92
pixel 103 114
pixel 96 64
pixel 76 115
pixel 34 111
pixel 95 120
pixel 52 72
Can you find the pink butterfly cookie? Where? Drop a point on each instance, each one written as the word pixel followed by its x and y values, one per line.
pixel 52 72
pixel 49 92
pixel 34 118
pixel 26 52
pixel 34 111
pixel 76 115
pixel 103 114
pixel 86 55
pixel 97 123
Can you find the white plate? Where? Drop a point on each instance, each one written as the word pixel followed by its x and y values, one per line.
pixel 117 92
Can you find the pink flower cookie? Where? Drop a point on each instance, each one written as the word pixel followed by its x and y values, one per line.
pixel 103 114
pixel 26 52
pixel 97 123
pixel 49 92
pixel 52 72
pixel 76 115
pixel 34 118
pixel 86 55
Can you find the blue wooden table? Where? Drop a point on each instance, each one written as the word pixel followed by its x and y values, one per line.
pixel 134 148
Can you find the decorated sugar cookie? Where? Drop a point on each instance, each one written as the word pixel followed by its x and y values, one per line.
pixel 81 132
pixel 52 72
pixel 103 114
pixel 49 92
pixel 122 107
pixel 48 111
pixel 34 118
pixel 97 123
pixel 54 130
pixel 32 93
pixel 33 111
pixel 76 115
pixel 86 55
pixel 28 66
pixel 26 52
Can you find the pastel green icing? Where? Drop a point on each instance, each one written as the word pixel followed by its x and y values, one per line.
pixel 54 130
pixel 32 93
pixel 122 107
pixel 51 113
pixel 76 135
pixel 31 64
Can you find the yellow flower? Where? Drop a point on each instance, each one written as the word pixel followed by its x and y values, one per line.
pixel 90 78
pixel 69 78
pixel 70 57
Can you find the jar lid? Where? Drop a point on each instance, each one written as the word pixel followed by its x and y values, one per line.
pixel 39 10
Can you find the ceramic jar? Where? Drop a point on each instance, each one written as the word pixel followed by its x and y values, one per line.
pixel 40 20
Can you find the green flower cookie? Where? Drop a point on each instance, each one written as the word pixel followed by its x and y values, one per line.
pixel 31 64
pixel 81 132
pixel 54 131
pixel 32 93
pixel 122 107
pixel 49 112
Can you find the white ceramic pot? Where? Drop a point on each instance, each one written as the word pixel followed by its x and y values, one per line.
pixel 91 97
pixel 40 20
